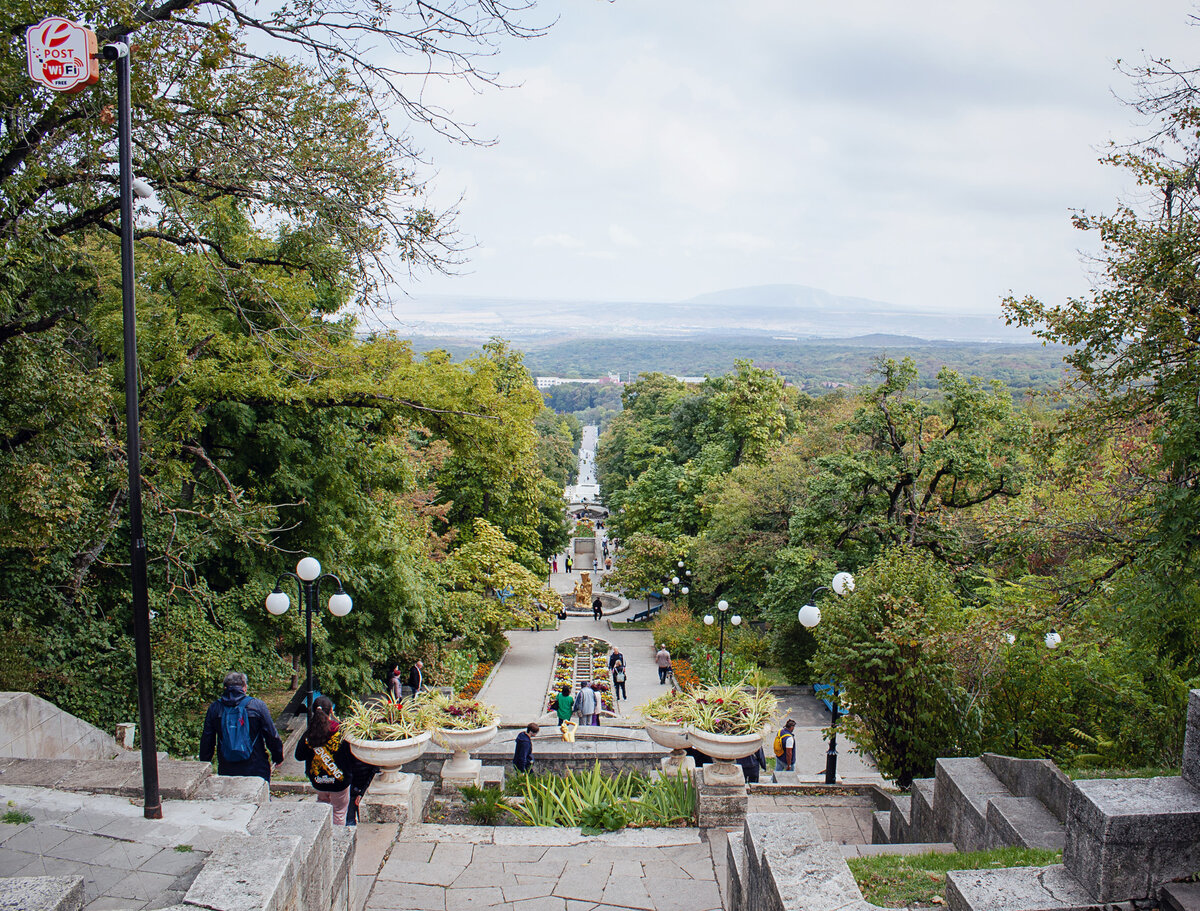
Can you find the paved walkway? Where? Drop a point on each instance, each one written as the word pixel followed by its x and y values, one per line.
pixel 447 868
pixel 126 861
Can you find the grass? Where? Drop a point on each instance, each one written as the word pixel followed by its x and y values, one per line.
pixel 276 700
pixel 634 624
pixel 919 880
pixel 184 849
pixel 16 818
pixel 1147 772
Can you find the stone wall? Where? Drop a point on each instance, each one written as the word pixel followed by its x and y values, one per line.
pixel 32 728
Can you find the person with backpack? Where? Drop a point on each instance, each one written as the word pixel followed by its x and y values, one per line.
pixel 616 665
pixel 785 748
pixel 239 729
pixel 327 759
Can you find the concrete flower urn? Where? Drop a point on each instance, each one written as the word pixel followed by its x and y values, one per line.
pixel 725 749
pixel 460 769
pixel 393 796
pixel 675 738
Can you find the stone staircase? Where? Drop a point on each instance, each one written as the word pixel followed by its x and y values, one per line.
pixel 1125 842
pixel 982 802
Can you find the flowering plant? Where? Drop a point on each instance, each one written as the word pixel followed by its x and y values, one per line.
pixel 727 710
pixel 383 720
pixel 457 713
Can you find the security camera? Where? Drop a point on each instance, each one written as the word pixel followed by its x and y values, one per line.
pixel 116 50
pixel 141 189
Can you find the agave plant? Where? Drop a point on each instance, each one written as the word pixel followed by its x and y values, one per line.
pixel 380 720
pixel 457 713
pixel 729 710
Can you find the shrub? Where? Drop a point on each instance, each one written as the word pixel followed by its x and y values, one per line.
pixel 884 645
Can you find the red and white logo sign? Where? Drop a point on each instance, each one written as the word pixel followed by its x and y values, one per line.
pixel 62 55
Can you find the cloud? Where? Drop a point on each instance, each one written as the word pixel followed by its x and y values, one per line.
pixel 565 241
pixel 622 237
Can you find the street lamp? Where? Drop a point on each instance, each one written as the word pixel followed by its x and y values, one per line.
pixel 723 607
pixel 308 578
pixel 809 616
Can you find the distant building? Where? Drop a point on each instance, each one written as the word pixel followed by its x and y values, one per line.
pixel 549 382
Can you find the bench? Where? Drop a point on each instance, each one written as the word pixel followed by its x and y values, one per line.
pixel 646 614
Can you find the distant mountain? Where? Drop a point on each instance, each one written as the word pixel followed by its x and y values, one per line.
pixel 773 310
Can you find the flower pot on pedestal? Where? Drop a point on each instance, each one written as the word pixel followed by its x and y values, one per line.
pixel 675 738
pixel 393 796
pixel 460 769
pixel 725 749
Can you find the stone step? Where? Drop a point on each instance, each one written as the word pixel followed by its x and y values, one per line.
pixel 1017 889
pixel 1180 897
pixel 1023 822
pixel 960 800
pixel 924 826
pixel 880 827
pixel 943 847
pixel 900 819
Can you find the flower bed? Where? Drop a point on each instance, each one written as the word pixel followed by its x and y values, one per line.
pixel 481 674
pixel 685 677
pixel 458 713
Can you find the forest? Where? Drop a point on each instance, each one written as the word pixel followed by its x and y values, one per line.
pixel 283 197
pixel 1026 575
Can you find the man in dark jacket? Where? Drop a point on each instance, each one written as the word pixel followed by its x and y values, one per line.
pixel 262 733
pixel 416 677
pixel 523 757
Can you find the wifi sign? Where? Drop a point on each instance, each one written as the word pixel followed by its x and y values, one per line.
pixel 61 55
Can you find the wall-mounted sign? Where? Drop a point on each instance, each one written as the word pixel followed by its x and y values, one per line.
pixel 62 55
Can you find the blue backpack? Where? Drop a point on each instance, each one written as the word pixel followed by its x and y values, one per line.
pixel 236 742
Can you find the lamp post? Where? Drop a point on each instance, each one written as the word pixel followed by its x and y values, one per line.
pixel 308 578
pixel 723 608
pixel 809 616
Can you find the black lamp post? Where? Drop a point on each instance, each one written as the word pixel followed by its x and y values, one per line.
pixel 308 578
pixel 809 616
pixel 723 608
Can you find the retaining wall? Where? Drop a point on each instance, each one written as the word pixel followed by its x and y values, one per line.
pixel 32 728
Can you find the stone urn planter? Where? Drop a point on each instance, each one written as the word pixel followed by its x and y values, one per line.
pixel 460 769
pixel 390 756
pixel 725 749
pixel 675 738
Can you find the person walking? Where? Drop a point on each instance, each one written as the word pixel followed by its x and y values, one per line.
pixel 570 563
pixel 785 748
pixel 395 683
pixel 416 677
pixel 327 759
pixel 564 707
pixel 752 764
pixel 523 756
pixel 663 660
pixel 554 565
pixel 616 665
pixel 239 729
pixel 588 705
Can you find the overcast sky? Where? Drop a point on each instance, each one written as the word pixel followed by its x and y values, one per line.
pixel 923 153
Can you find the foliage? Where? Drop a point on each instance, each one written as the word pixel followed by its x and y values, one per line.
pixel 919 880
pixel 729 710
pixel 600 802
pixel 886 646
pixel 16 817
pixel 381 720
pixel 456 713
pixel 484 805
pixel 477 679
pixel 705 661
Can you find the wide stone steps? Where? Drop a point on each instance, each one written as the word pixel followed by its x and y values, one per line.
pixel 970 804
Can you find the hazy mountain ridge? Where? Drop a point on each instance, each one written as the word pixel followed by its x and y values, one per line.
pixel 789 310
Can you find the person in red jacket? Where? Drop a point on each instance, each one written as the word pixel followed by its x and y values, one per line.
pixel 327 759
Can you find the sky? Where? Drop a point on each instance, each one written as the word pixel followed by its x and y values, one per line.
pixel 927 154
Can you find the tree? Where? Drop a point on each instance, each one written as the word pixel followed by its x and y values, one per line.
pixel 911 465
pixel 886 645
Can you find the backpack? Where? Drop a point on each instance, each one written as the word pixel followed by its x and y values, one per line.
pixel 779 745
pixel 619 673
pixel 236 742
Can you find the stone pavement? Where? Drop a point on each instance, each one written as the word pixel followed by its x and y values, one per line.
pixel 454 868
pixel 126 861
pixel 842 819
